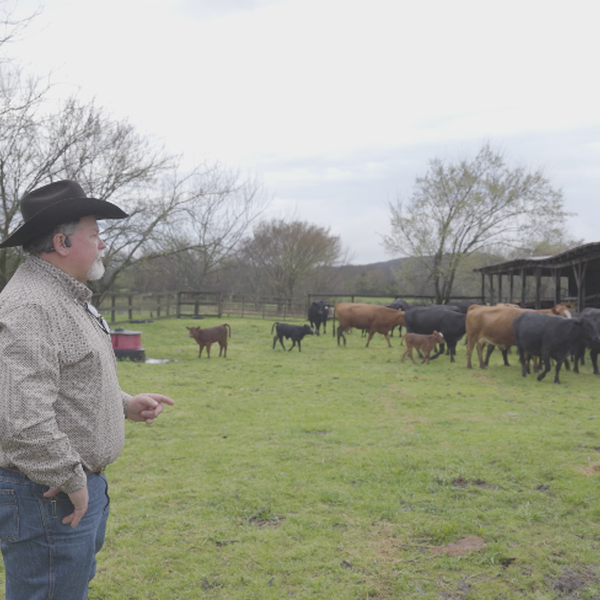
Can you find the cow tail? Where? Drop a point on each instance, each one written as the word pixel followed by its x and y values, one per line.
pixel 228 327
pixel 274 325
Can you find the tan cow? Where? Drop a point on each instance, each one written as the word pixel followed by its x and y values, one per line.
pixel 210 335
pixel 370 317
pixel 493 325
pixel 424 343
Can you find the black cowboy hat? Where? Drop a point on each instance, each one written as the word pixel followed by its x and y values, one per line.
pixel 56 203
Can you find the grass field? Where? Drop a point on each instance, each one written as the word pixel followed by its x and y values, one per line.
pixel 341 473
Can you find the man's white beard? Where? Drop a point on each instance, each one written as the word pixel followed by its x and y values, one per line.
pixel 96 271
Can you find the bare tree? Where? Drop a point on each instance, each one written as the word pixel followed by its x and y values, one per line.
pixel 287 253
pixel 76 141
pixel 196 217
pixel 197 222
pixel 459 209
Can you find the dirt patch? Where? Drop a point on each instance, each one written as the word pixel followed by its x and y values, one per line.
pixel 569 585
pixel 471 543
pixel 591 469
pixel 265 519
pixel 463 483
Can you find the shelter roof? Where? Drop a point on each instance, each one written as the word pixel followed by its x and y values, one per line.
pixel 580 254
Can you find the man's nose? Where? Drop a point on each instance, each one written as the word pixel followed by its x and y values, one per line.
pixel 101 245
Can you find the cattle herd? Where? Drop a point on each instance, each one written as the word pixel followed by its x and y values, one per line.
pixel 555 334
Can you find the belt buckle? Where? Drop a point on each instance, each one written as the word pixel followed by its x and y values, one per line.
pixel 94 471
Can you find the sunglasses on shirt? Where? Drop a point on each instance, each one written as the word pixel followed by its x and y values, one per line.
pixel 98 317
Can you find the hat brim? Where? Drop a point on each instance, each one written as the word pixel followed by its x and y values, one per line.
pixel 63 211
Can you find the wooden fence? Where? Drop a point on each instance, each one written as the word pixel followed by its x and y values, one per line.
pixel 132 308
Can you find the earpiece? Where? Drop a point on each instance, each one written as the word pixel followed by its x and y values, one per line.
pixel 67 242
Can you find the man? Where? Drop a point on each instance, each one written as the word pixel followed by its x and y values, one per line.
pixel 61 408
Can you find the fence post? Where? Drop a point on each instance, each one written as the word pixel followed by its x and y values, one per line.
pixel 112 312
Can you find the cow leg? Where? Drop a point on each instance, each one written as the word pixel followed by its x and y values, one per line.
pixel 387 337
pixel 547 369
pixel 489 350
pixel 200 351
pixel 440 350
pixel 340 333
pixel 371 334
pixel 208 350
pixel 483 363
pixel 505 357
pixel 409 353
pixel 558 365
pixel 293 344
pixel 522 361
pixel 594 357
pixel 469 352
pixel 452 349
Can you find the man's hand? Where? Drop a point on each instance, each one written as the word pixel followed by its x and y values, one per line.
pixel 146 407
pixel 79 499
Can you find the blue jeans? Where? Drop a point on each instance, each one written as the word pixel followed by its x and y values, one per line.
pixel 44 559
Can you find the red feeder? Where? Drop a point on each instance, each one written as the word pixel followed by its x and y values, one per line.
pixel 127 344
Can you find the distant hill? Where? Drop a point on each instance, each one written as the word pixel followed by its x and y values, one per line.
pixel 386 267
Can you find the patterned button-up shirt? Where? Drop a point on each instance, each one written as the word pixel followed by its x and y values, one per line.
pixel 61 407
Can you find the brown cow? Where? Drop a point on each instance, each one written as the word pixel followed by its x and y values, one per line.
pixel 422 342
pixel 370 317
pixel 210 335
pixel 493 325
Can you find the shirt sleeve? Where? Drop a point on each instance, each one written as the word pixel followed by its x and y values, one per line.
pixel 29 384
pixel 126 400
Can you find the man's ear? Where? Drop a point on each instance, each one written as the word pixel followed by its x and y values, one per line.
pixel 61 244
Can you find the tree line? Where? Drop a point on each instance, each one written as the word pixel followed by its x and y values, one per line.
pixel 203 227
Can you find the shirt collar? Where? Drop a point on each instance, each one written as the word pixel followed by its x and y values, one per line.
pixel 78 290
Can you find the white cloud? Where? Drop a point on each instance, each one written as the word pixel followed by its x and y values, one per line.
pixel 343 101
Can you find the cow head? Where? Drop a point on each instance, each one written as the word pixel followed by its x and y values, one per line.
pixel 308 330
pixel 193 331
pixel 561 310
pixel 439 337
pixel 589 333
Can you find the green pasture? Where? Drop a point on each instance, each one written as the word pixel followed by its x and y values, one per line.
pixel 342 473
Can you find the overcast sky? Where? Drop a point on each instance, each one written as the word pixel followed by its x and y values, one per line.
pixel 337 105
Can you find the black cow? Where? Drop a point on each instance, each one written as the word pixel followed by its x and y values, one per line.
pixel 399 304
pixel 318 312
pixel 293 332
pixel 463 305
pixel 551 337
pixel 579 351
pixel 426 320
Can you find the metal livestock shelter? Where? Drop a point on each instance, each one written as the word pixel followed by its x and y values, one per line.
pixel 571 276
